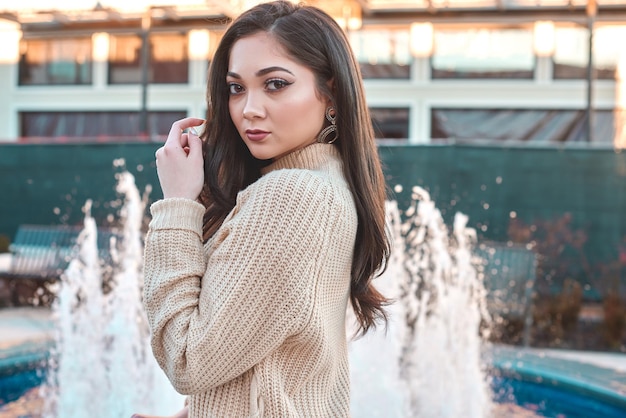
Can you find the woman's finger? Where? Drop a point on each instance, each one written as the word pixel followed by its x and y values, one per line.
pixel 184 140
pixel 177 129
pixel 194 145
pixel 179 126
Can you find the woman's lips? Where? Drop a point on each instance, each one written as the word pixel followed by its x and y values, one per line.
pixel 256 135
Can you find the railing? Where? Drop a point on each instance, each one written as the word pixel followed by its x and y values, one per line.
pixel 43 252
pixel 509 277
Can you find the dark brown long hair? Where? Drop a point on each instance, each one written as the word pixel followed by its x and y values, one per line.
pixel 312 38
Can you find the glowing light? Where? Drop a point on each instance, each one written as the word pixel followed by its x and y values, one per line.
pixel 100 43
pixel 422 39
pixel 354 23
pixel 348 16
pixel 543 42
pixel 352 15
pixel 10 41
pixel 199 44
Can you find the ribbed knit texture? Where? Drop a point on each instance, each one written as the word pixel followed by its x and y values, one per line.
pixel 252 324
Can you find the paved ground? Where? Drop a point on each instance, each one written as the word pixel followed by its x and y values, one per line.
pixel 18 327
pixel 22 325
pixel 26 324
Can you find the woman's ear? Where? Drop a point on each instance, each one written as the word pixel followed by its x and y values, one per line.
pixel 330 85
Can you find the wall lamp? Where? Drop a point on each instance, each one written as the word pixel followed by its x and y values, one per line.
pixel 422 39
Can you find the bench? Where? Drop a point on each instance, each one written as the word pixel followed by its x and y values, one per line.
pixel 41 253
pixel 509 278
pixel 44 251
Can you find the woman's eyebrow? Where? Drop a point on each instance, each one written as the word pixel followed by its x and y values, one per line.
pixel 270 70
pixel 261 72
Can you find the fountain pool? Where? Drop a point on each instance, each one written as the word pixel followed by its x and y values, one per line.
pixel 541 386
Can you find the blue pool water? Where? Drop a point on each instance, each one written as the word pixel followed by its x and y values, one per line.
pixel 22 368
pixel 14 386
pixel 550 400
pixel 545 400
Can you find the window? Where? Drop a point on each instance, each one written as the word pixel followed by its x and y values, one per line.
pixel 95 125
pixel 532 125
pixel 59 61
pixel 168 59
pixel 382 53
pixel 571 48
pixel 572 52
pixel 390 123
pixel 483 53
pixel 608 48
pixel 125 59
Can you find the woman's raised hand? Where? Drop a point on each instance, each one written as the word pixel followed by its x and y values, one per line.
pixel 180 164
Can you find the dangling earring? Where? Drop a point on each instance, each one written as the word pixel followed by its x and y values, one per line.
pixel 332 128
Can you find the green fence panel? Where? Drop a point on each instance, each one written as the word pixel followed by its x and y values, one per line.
pixel 49 184
pixel 496 186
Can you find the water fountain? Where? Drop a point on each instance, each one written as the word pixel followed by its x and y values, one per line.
pixel 427 364
pixel 102 364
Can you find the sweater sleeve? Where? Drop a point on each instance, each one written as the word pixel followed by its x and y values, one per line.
pixel 214 317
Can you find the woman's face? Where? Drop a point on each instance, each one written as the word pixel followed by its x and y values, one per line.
pixel 273 99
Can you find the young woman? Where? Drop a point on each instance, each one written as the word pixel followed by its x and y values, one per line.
pixel 270 224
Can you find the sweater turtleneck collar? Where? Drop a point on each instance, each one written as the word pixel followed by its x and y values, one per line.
pixel 310 157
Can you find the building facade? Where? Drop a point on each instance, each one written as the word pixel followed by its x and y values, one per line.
pixel 435 71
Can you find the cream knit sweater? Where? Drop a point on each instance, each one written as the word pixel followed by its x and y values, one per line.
pixel 252 323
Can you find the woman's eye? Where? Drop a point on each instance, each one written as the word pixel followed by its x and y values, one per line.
pixel 234 88
pixel 276 84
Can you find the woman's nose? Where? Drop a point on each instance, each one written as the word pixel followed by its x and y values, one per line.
pixel 254 107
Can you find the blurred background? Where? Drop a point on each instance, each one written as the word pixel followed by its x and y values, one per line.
pixel 510 111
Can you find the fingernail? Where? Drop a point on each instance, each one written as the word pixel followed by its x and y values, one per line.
pixel 199 130
pixel 193 131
